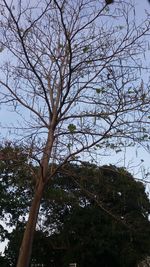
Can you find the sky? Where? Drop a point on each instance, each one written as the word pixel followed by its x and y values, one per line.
pixel 136 159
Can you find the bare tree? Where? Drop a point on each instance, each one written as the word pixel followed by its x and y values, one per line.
pixel 71 70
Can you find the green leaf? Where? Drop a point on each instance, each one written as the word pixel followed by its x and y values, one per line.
pixel 98 91
pixel 85 49
pixel 69 146
pixel 71 128
pixel 112 146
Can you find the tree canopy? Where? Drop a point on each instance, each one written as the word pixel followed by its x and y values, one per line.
pixel 90 215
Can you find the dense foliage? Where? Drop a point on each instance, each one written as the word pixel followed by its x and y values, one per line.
pixel 89 215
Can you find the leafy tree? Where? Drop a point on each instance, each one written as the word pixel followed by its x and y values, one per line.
pixel 91 215
pixel 16 184
pixel 107 222
pixel 74 83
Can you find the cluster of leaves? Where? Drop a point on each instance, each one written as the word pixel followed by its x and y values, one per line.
pixel 16 184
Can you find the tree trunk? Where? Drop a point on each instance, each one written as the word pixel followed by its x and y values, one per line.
pixel 27 242
pixel 26 246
